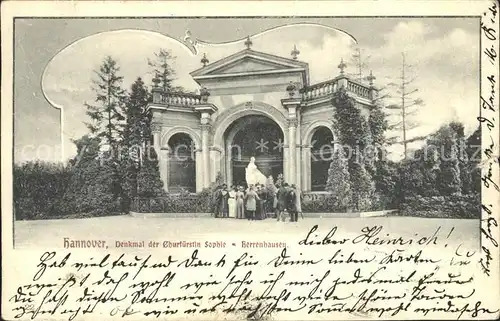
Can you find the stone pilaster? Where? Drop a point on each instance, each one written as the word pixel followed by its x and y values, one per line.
pixel 229 168
pixel 163 165
pixel 292 153
pixel 199 170
pixel 292 104
pixel 205 153
pixel 306 168
pixel 215 163
pixel 206 110
pixel 156 130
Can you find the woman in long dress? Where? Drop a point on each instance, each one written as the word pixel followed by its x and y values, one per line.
pixel 251 198
pixel 253 175
pixel 231 202
pixel 240 203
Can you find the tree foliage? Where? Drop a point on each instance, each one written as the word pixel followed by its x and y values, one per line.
pixel 106 114
pixel 404 107
pixel 107 119
pixel 444 166
pixel 354 133
pixel 448 180
pixel 149 183
pixel 161 67
pixel 134 139
pixel 37 187
pixel 90 189
pixel 338 183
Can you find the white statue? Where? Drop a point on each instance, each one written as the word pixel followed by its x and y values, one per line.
pixel 253 175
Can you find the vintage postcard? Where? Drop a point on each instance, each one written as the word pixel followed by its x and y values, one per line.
pixel 288 160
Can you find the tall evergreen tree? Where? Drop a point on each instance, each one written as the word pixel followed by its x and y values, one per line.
pixel 89 189
pixel 362 186
pixel 473 150
pixel 407 107
pixel 449 177
pixel 106 115
pixel 107 118
pixel 354 133
pixel 382 169
pixel 338 182
pixel 149 183
pixel 463 159
pixel 141 168
pixel 359 61
pixel 134 139
pixel 161 67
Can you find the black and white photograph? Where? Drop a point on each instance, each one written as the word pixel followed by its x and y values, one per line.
pixel 365 142
pixel 312 117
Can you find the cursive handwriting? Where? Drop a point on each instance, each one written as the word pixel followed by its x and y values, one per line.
pixel 348 274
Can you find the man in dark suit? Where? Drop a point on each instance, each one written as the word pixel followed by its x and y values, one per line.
pixel 282 200
pixel 292 205
pixel 262 192
pixel 216 201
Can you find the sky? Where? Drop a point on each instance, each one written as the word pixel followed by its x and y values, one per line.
pixel 55 59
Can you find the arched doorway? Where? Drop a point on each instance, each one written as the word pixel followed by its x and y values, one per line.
pixel 182 163
pixel 321 157
pixel 254 136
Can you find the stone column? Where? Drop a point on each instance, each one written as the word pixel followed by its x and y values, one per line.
pixel 306 167
pixel 206 110
pixel 156 130
pixel 292 154
pixel 298 155
pixel 229 169
pixel 163 164
pixel 292 104
pixel 161 154
pixel 199 170
pixel 205 153
pixel 286 158
pixel 298 167
pixel 215 163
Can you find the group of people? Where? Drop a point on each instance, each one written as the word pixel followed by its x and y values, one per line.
pixel 256 201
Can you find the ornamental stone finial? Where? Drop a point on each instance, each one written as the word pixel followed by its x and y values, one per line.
pixel 204 60
pixel 156 81
pixel 342 66
pixel 204 94
pixel 295 52
pixel 248 43
pixel 371 78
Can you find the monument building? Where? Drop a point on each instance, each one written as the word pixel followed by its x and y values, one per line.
pixel 251 104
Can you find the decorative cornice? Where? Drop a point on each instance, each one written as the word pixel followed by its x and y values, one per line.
pixel 206 108
pixel 282 61
pixel 291 102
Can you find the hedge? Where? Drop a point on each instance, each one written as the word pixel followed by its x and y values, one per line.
pixel 37 188
pixel 453 206
pixel 175 203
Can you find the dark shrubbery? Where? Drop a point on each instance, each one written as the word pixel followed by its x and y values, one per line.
pixel 175 203
pixel 323 203
pixel 453 206
pixel 38 187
